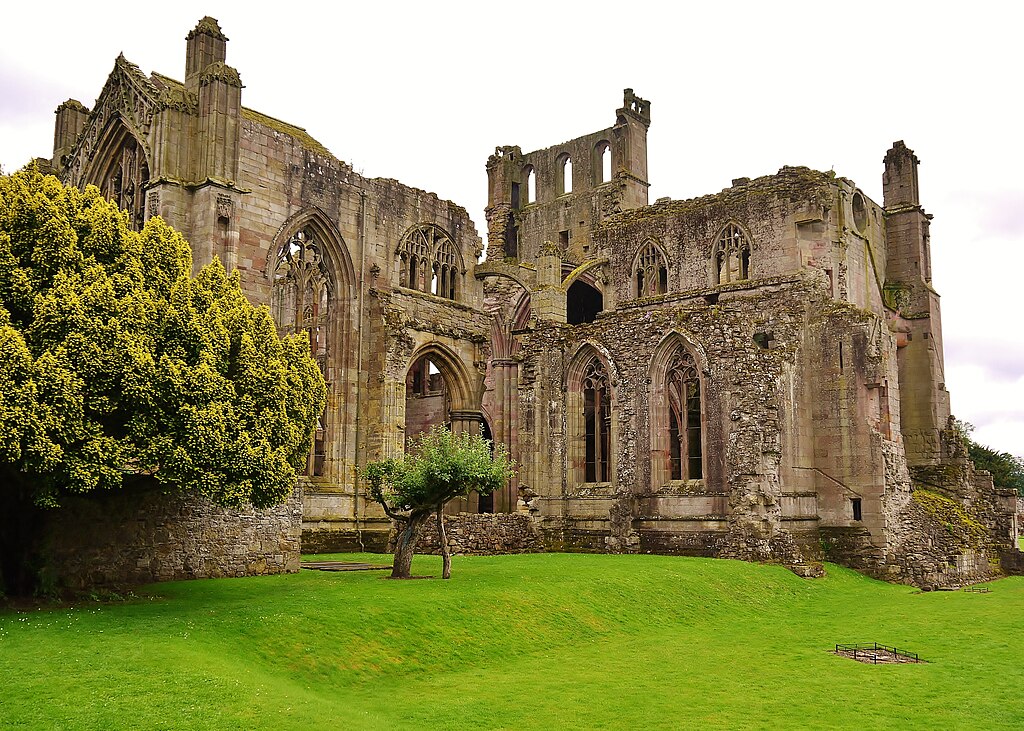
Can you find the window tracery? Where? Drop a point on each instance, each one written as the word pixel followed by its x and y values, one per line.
pixel 650 275
pixel 682 387
pixel 597 418
pixel 301 302
pixel 731 258
pixel 430 262
pixel 126 181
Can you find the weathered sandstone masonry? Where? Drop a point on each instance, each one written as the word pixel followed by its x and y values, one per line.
pixel 755 373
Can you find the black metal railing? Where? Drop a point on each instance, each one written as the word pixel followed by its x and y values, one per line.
pixel 876 653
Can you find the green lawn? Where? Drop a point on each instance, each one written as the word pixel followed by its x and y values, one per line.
pixel 550 641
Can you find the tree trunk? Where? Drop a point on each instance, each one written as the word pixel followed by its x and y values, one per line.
pixel 405 545
pixel 446 556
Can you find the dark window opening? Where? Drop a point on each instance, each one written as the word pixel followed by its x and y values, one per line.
pixel 563 238
pixel 597 424
pixel 515 195
pixel 511 237
pixel 857 515
pixel 763 340
pixel 583 303
pixel 685 449
pixel 840 355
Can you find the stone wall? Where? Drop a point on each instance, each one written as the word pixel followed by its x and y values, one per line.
pixel 137 536
pixel 482 534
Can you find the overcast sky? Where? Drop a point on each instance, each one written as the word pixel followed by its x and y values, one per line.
pixel 424 91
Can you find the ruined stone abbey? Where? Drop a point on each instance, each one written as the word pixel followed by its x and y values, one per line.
pixel 756 373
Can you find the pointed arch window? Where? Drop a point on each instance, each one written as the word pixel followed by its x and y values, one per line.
pixel 597 419
pixel 430 262
pixel 126 179
pixel 676 417
pixel 682 386
pixel 301 303
pixel 650 271
pixel 731 257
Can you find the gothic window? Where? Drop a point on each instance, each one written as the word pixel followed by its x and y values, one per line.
pixel 731 259
pixel 301 303
pixel 676 416
pixel 650 273
pixel 429 262
pixel 126 181
pixel 682 386
pixel 596 422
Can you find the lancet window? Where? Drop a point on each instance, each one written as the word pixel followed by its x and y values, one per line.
pixel 650 274
pixel 682 389
pixel 430 262
pixel 597 417
pixel 301 303
pixel 731 260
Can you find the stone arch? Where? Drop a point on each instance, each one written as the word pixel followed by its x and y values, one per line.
pixel 677 413
pixel 327 232
pixel 463 381
pixel 120 168
pixel 311 283
pixel 591 429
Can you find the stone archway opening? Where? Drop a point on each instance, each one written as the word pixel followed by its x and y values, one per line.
pixel 427 398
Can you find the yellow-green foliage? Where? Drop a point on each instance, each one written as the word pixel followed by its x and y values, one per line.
pixel 953 516
pixel 114 360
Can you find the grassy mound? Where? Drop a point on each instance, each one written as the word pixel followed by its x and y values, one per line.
pixel 520 642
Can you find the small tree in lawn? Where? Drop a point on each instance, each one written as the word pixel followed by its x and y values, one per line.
pixel 440 466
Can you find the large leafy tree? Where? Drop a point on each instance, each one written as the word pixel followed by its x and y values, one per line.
pixel 117 364
pixel 440 465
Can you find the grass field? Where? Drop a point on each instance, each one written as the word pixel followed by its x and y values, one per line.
pixel 549 641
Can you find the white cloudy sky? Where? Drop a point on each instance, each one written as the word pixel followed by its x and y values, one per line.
pixel 424 91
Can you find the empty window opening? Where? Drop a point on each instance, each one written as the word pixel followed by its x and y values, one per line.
pixel 563 238
pixel 426 397
pixel 511 237
pixel 855 503
pixel 764 340
pixel 597 417
pixel 682 386
pixel 583 303
pixel 731 256
pixel 531 185
pixel 302 301
pixel 564 167
pixel 602 162
pixel 840 355
pixel 430 262
pixel 651 271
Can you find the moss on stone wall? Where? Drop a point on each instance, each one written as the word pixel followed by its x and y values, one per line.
pixel 953 517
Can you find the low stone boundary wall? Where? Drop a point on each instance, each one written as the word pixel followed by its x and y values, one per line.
pixel 482 534
pixel 143 535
